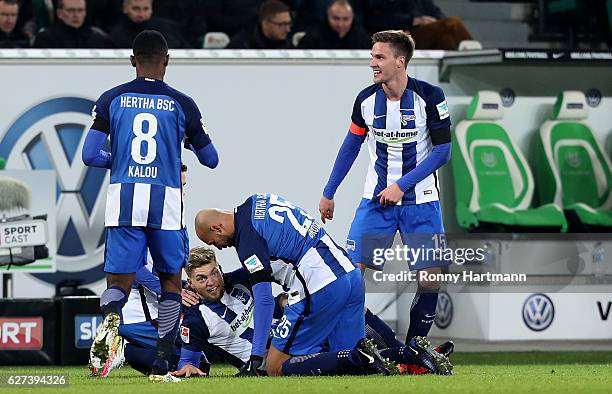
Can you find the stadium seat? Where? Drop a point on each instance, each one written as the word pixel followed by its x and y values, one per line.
pixel 493 183
pixel 215 40
pixel 572 169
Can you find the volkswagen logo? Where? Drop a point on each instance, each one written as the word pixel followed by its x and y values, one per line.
pixel 50 136
pixel 538 312
pixel 444 310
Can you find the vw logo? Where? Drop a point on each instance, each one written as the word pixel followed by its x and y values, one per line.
pixel 50 136
pixel 593 97
pixel 488 159
pixel 507 97
pixel 572 158
pixel 538 312
pixel 444 310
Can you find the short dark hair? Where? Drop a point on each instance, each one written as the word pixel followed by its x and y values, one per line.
pixel 270 8
pixel 199 257
pixel 400 41
pixel 183 167
pixel 150 44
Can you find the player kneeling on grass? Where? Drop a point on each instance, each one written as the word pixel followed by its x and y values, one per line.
pixel 223 323
pixel 326 297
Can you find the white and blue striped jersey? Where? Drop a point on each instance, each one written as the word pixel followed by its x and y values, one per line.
pixel 267 227
pixel 226 325
pixel 147 121
pixel 398 135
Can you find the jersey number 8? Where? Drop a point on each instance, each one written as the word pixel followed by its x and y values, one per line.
pixel 147 138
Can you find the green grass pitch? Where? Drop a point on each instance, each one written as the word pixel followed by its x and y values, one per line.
pixel 520 372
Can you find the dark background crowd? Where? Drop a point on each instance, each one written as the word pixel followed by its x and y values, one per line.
pixel 249 24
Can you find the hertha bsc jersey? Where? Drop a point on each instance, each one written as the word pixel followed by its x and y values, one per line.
pixel 269 227
pixel 226 325
pixel 398 135
pixel 147 121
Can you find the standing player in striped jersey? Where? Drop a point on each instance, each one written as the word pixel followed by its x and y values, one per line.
pixel 147 121
pixel 406 124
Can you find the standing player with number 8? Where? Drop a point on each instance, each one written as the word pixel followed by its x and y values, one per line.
pixel 147 122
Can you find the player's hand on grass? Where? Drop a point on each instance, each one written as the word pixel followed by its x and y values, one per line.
pixel 391 195
pixel 251 368
pixel 326 207
pixel 189 297
pixel 189 370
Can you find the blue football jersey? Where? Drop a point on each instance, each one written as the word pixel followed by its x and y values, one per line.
pixel 147 121
pixel 399 136
pixel 268 227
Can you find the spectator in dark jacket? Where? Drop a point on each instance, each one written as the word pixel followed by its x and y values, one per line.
pixel 231 16
pixel 338 31
pixel 189 15
pixel 139 17
pixel 10 37
pixel 423 18
pixel 70 30
pixel 271 31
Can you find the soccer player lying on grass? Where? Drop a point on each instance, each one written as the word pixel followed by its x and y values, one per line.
pixel 138 328
pixel 222 323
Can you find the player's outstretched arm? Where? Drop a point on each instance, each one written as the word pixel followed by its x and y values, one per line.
pixel 262 315
pixel 93 153
pixel 349 150
pixel 187 364
pixel 207 155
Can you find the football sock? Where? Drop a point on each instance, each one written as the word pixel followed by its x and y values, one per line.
pixel 167 329
pixel 422 314
pixel 400 355
pixel 321 364
pixel 377 330
pixel 112 300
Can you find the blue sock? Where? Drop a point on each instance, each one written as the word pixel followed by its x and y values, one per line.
pixel 167 329
pixel 112 300
pixel 140 358
pixel 380 332
pixel 400 355
pixel 321 364
pixel 422 313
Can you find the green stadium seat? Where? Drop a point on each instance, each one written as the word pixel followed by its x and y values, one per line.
pixel 493 183
pixel 572 169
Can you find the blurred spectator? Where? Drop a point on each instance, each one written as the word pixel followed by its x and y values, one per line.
pixel 104 13
pixel 231 16
pixel 139 17
pixel 310 14
pixel 70 30
pixel 189 15
pixel 338 31
pixel 9 36
pixel 34 15
pixel 425 21
pixel 271 31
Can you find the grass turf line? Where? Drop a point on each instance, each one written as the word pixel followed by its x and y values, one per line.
pixel 511 372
